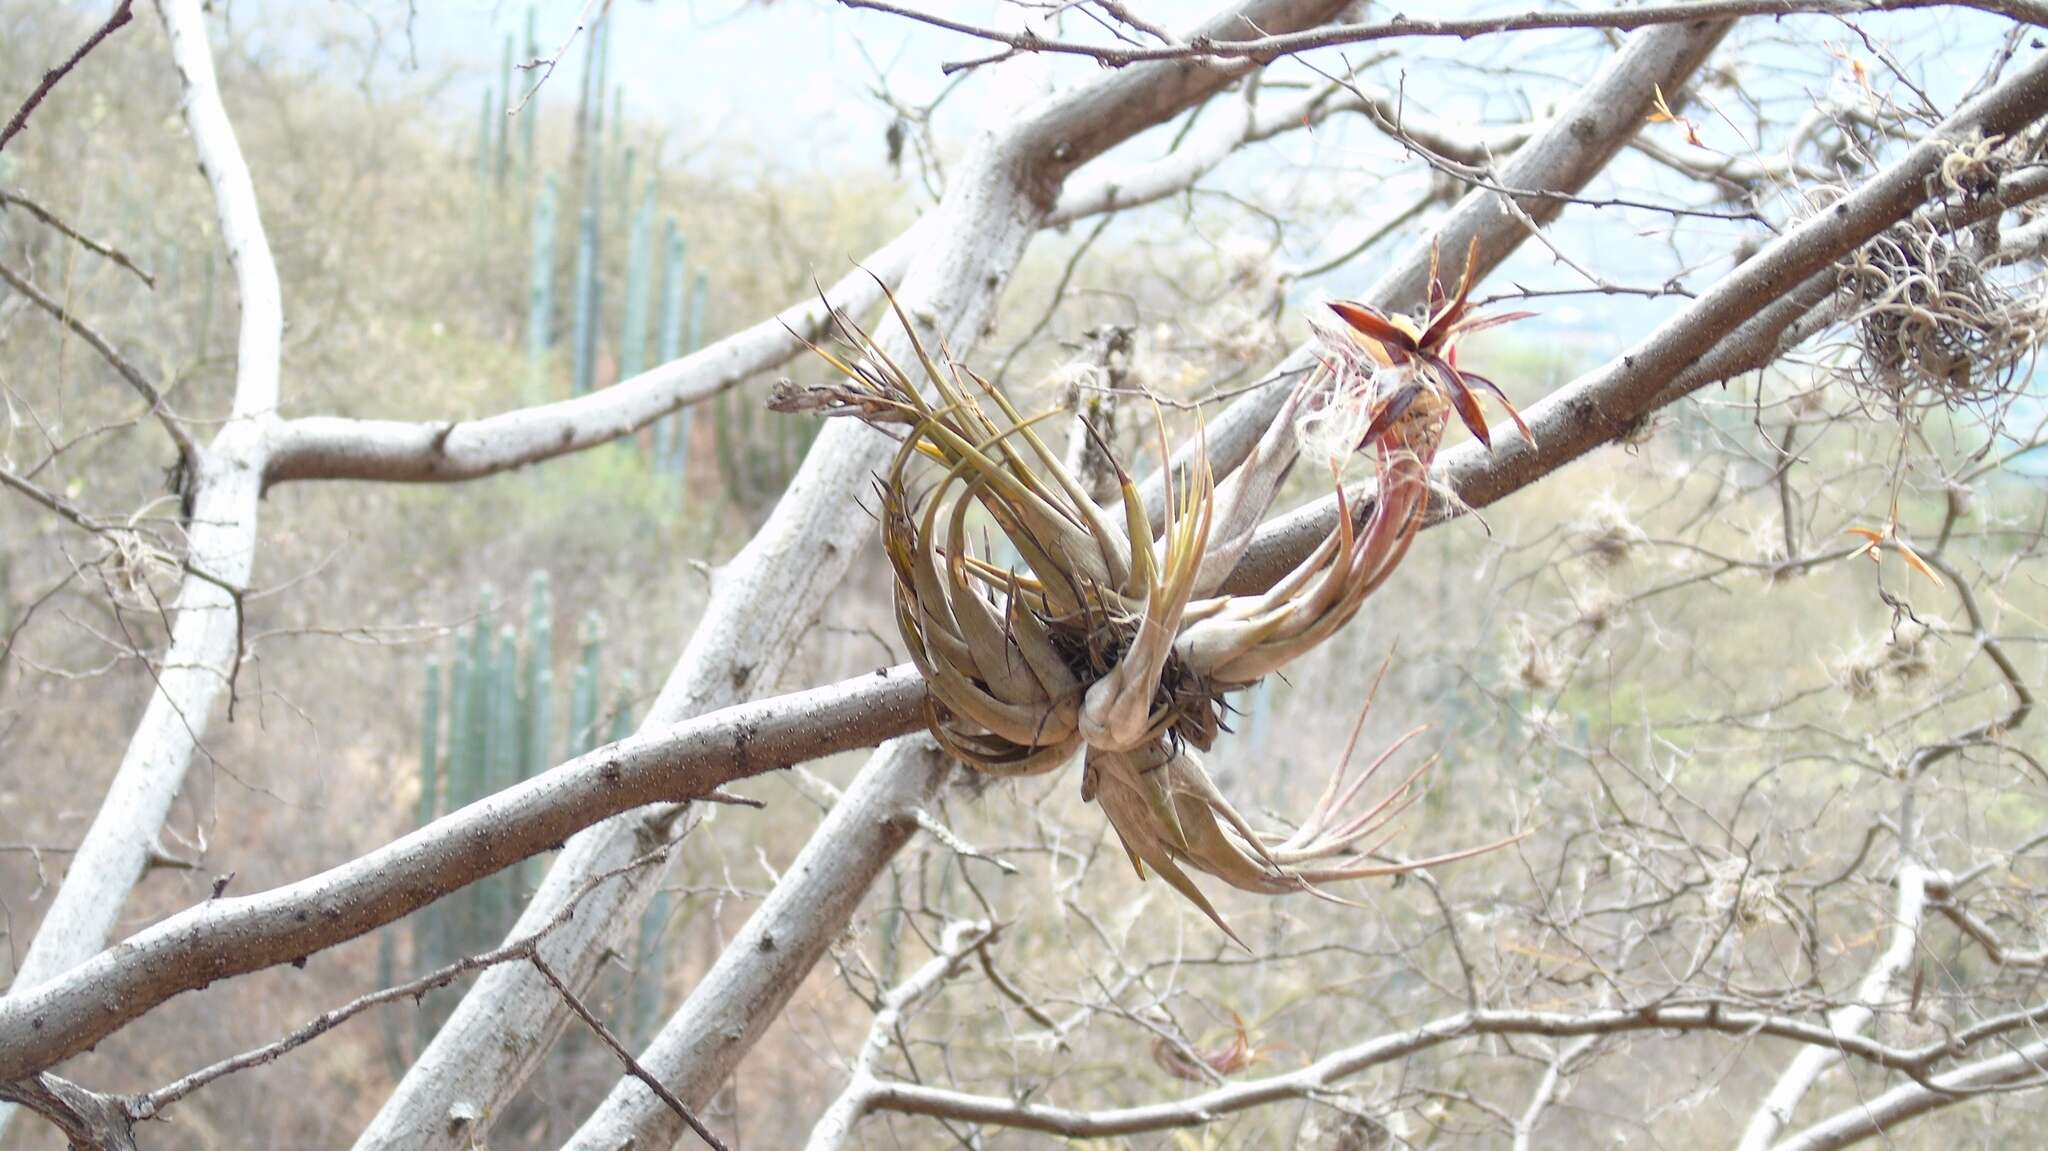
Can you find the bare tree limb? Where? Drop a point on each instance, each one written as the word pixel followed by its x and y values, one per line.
pixel 1559 159
pixel 88 1120
pixel 154 1103
pixel 2023 1068
pixel 402 451
pixel 128 371
pixel 835 1126
pixel 1799 1076
pixel 43 1024
pixel 15 199
pixel 1270 47
pixel 122 15
pixel 1326 1072
pixel 762 966
pixel 633 1066
pixel 227 484
pixel 1603 404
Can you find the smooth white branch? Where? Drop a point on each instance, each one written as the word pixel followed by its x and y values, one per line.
pixel 233 936
pixel 226 478
pixel 1557 161
pixel 1719 334
pixel 835 1126
pixel 763 965
pixel 1326 1073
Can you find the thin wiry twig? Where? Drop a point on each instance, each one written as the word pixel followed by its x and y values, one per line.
pixel 1266 48
pixel 121 16
pixel 187 450
pixel 548 65
pixel 52 220
pixel 633 1067
pixel 152 1104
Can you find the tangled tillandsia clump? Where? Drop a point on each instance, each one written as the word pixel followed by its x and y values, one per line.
pixel 1120 646
pixel 1937 325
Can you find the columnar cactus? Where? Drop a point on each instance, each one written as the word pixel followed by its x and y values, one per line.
pixel 625 182
pixel 639 261
pixel 448 934
pixel 540 304
pixel 674 292
pixel 483 141
pixel 499 729
pixel 475 775
pixel 583 695
pixel 697 294
pixel 585 349
pixel 540 678
pixel 671 435
pixel 429 804
pixel 504 143
pixel 650 971
pixel 429 932
pixel 622 708
pixel 539 725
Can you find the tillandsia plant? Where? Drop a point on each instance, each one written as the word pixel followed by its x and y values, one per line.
pixel 1114 641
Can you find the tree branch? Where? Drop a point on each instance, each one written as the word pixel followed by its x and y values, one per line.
pixel 403 451
pixel 51 219
pixel 763 965
pixel 232 936
pixel 88 1120
pixel 1323 1074
pixel 1690 349
pixel 122 15
pixel 1851 1018
pixel 1271 47
pixel 226 486
pixel 187 450
pixel 835 1126
pixel 1559 159
pixel 2022 1069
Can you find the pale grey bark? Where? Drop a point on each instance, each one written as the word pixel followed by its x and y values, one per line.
pixel 226 476
pixel 1908 909
pixel 886 707
pixel 769 596
pixel 1327 1072
pixel 401 451
pixel 235 935
pixel 1263 119
pixel 1563 158
pixel 2023 1066
pixel 764 964
pixel 836 1125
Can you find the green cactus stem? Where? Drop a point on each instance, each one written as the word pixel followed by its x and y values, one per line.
pixel 639 261
pixel 540 305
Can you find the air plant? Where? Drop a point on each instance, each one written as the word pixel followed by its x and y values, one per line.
pixel 1113 641
pixel 1198 1066
pixel 1399 364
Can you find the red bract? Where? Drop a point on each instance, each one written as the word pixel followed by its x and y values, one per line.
pixel 1431 349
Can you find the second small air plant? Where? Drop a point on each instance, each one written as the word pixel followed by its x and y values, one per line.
pixel 1113 642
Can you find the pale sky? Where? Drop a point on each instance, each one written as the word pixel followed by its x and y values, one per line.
pixel 787 83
